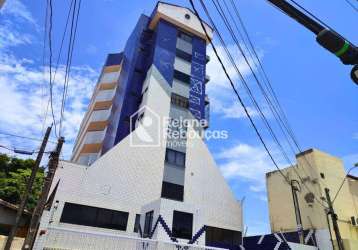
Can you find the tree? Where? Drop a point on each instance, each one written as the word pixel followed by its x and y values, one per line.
pixel 14 174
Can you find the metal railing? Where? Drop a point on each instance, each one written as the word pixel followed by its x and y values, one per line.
pixel 60 239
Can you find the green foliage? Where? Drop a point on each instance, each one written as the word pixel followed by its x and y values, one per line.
pixel 14 174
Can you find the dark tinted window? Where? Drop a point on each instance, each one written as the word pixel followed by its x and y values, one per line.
pixel 148 224
pixel 182 225
pixel 219 237
pixel 183 55
pixel 172 191
pixel 137 223
pixel 175 157
pixel 94 216
pixel 180 101
pixel 182 76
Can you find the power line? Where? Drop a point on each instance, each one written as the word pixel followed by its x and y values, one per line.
pixel 340 187
pixel 248 89
pixel 49 3
pixel 278 110
pixel 73 32
pixel 23 137
pixel 237 94
pixel 353 7
pixel 58 57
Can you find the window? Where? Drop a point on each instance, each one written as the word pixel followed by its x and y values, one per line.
pixel 183 55
pixel 180 101
pixel 148 224
pixel 94 216
pixel 136 223
pixel 175 157
pixel 172 191
pixel 322 175
pixel 182 225
pixel 185 36
pixel 219 237
pixel 180 76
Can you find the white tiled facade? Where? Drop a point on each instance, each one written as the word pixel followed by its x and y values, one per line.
pixel 129 177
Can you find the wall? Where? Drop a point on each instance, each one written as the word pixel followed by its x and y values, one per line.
pixel 312 163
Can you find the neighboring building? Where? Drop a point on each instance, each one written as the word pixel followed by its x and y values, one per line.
pixel 324 171
pixel 7 219
pixel 142 181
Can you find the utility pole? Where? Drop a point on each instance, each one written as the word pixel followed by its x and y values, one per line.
pixel 36 216
pixel 27 193
pixel 334 220
pixel 297 210
pixel 329 39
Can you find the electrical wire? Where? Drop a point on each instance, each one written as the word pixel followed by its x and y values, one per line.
pixel 340 187
pixel 275 106
pixel 73 32
pixel 238 95
pixel 350 4
pixel 49 2
pixel 227 24
pixel 23 137
pixel 248 89
pixel 58 58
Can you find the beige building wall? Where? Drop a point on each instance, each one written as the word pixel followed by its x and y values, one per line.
pixel 324 171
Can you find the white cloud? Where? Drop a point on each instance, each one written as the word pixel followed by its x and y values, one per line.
pixel 17 9
pixel 24 85
pixel 355 136
pixel 222 98
pixel 248 163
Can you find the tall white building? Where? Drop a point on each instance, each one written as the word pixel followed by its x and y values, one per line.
pixel 133 175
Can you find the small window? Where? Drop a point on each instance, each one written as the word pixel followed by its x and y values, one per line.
pixel 182 225
pixel 185 37
pixel 183 55
pixel 322 175
pixel 136 223
pixel 148 224
pixel 172 191
pixel 180 101
pixel 175 157
pixel 180 76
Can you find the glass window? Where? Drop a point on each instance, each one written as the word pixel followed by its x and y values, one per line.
pixel 172 191
pixel 185 36
pixel 175 157
pixel 182 225
pixel 222 237
pixel 148 224
pixel 180 101
pixel 170 156
pixel 180 159
pixel 94 216
pixel 180 76
pixel 136 223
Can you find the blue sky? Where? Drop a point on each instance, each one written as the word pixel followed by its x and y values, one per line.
pixel 312 85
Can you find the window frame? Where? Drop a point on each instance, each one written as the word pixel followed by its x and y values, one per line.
pixel 178 220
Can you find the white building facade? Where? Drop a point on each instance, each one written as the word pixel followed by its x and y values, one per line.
pixel 148 186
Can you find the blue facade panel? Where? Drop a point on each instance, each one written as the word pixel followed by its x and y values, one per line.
pixel 197 79
pixel 128 92
pixel 165 46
